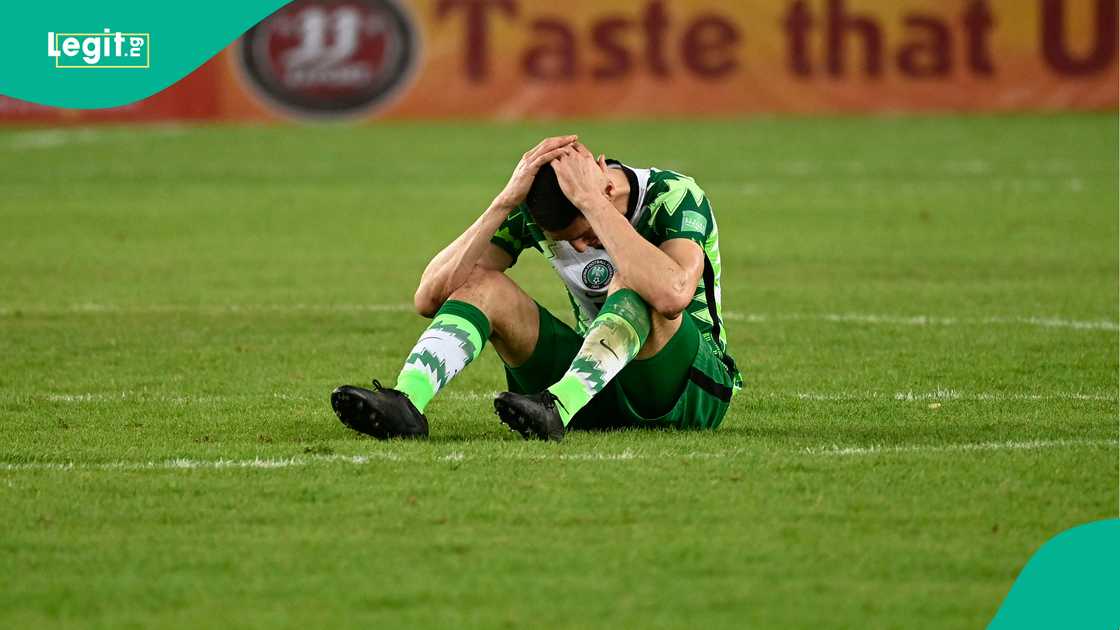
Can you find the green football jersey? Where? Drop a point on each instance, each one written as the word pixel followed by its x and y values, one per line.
pixel 663 205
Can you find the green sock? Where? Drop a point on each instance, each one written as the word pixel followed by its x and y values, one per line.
pixel 455 337
pixel 613 340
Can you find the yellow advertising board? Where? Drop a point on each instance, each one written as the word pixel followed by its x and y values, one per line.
pixel 507 59
pixel 520 58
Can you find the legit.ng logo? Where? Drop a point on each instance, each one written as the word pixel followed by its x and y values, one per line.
pixel 105 50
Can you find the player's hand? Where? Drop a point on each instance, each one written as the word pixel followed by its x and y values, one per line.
pixel 518 187
pixel 582 178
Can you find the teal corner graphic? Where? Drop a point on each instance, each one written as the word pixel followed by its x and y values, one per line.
pixel 1071 582
pixel 91 55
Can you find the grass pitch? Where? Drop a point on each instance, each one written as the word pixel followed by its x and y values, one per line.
pixel 925 311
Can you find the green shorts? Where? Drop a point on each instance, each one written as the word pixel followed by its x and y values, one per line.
pixel 690 363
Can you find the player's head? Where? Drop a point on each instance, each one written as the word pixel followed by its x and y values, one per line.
pixel 560 219
pixel 550 207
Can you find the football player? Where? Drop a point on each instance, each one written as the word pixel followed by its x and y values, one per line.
pixel 638 250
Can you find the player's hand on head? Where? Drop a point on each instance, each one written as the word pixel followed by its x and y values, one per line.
pixel 546 151
pixel 582 178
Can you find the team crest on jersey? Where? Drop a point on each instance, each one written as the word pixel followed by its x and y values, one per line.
pixel 597 274
pixel 329 58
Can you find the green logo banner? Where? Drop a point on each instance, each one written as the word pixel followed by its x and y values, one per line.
pixel 89 55
pixel 1072 581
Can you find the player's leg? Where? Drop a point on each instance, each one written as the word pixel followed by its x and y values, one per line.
pixel 488 306
pixel 622 331
pixel 557 345
pixel 654 380
pixel 511 313
pixel 687 385
pixel 677 379
pixel 625 330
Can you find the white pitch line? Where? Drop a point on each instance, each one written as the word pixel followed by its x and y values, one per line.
pixel 937 395
pixel 941 395
pixel 924 320
pixel 459 456
pixel 54 138
pixel 211 464
pixel 51 138
pixel 1054 322
pixel 1032 445
pixel 208 309
pixel 187 399
pixel 756 318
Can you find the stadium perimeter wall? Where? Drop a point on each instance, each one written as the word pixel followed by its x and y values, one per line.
pixel 508 59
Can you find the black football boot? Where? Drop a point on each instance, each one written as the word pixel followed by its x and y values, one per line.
pixel 532 416
pixel 382 413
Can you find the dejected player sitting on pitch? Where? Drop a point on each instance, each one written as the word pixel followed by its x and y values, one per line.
pixel 639 252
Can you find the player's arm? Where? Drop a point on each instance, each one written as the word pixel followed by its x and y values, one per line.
pixel 451 267
pixel 665 277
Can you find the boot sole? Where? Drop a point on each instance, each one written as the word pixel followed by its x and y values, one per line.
pixel 354 411
pixel 512 418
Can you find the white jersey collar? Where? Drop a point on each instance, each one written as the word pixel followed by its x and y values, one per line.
pixel 639 183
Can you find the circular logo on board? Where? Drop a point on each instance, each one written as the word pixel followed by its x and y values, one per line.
pixel 330 58
pixel 597 274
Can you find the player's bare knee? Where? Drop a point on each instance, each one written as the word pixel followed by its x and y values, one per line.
pixel 425 305
pixel 669 306
pixel 481 285
pixel 493 293
pixel 617 285
pixel 661 331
